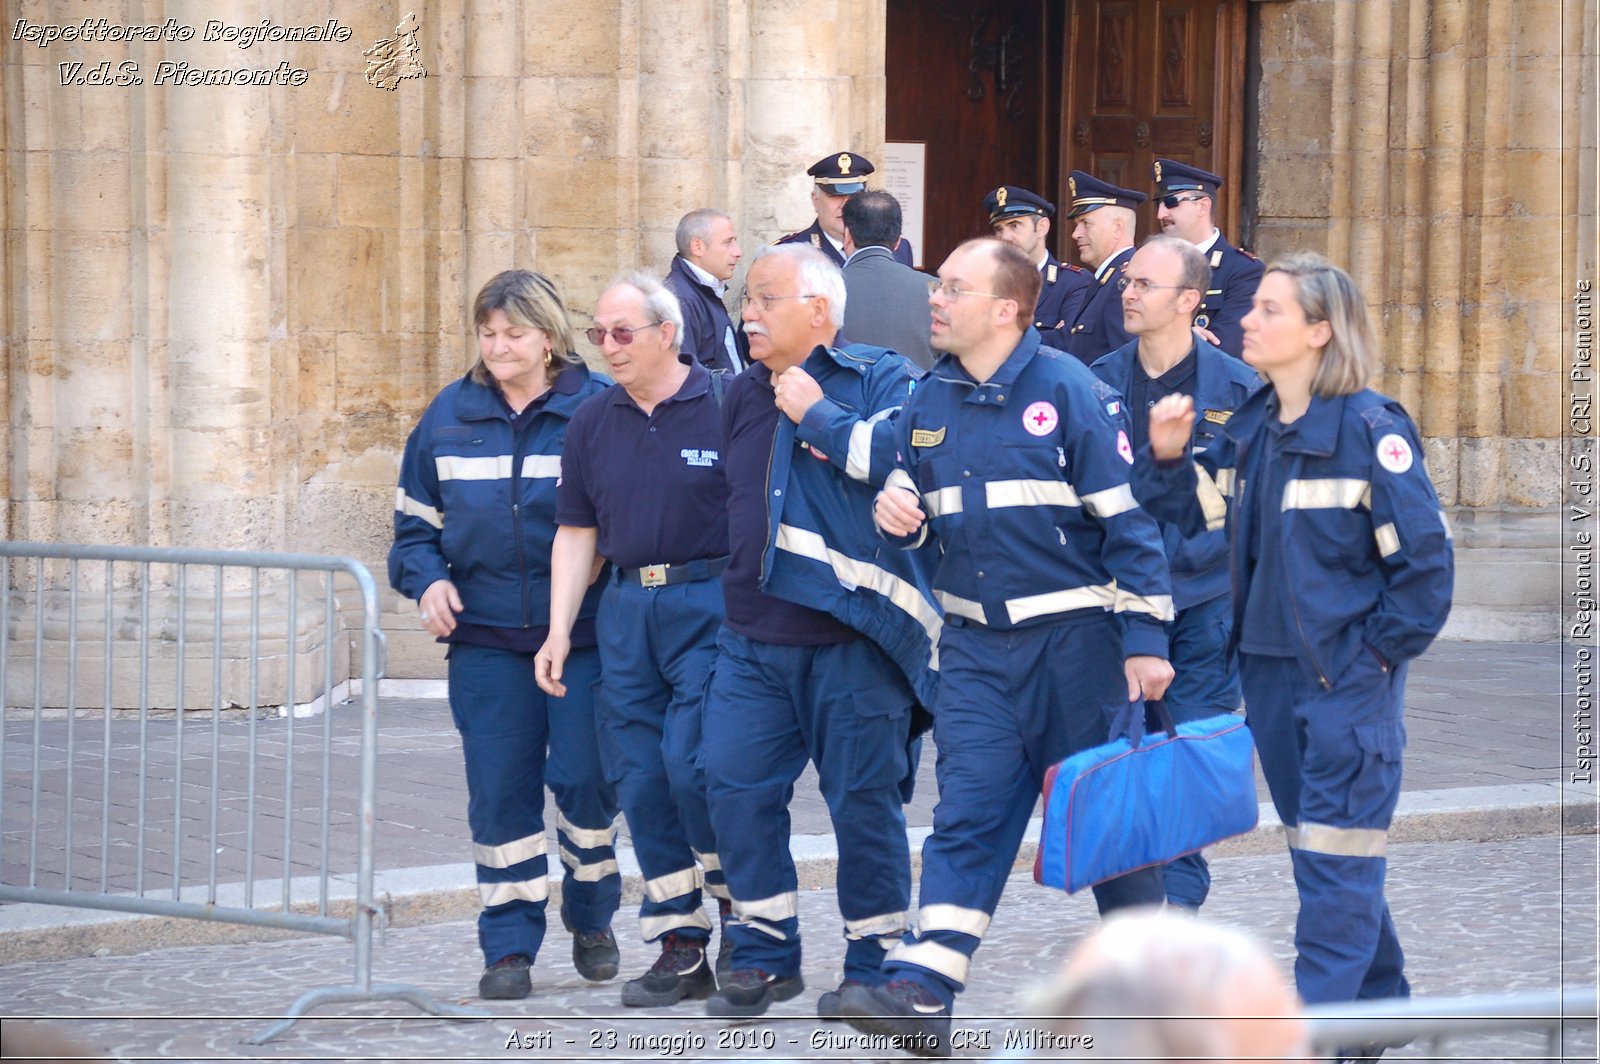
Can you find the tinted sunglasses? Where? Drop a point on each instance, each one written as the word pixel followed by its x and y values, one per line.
pixel 622 334
pixel 1171 202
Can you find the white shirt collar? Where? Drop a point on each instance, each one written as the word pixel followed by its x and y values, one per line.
pixel 1205 245
pixel 719 287
pixel 1100 270
pixel 838 245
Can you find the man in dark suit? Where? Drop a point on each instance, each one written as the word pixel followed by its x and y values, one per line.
pixel 1185 197
pixel 838 177
pixel 708 252
pixel 1022 219
pixel 886 302
pixel 1104 235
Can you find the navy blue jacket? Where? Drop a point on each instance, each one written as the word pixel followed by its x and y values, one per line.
pixel 1365 542
pixel 1098 328
pixel 1062 295
pixel 476 503
pixel 1234 277
pixel 1199 561
pixel 705 321
pixel 814 236
pixel 1024 479
pixel 823 550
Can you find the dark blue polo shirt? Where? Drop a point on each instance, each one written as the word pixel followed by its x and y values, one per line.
pixel 750 418
pixel 1145 392
pixel 652 484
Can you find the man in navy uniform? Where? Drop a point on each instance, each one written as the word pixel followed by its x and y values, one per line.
pixel 642 485
pixel 1162 286
pixel 708 253
pixel 1104 235
pixel 1014 458
pixel 838 177
pixel 1022 219
pixel 1185 198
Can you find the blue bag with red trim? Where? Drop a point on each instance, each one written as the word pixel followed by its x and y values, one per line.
pixel 1145 799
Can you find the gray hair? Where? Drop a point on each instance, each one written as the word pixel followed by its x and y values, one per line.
pixel 659 303
pixel 1327 293
pixel 1194 272
pixel 697 225
pixel 818 275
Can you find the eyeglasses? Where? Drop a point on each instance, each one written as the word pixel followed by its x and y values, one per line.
pixel 1171 202
pixel 766 301
pixel 622 334
pixel 952 292
pixel 1141 286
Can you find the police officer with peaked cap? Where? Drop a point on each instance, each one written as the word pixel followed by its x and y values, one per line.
pixel 1104 235
pixel 838 177
pixel 1022 219
pixel 1184 206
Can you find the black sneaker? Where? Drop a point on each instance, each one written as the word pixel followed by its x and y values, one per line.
pixel 595 955
pixel 828 1000
pixel 680 972
pixel 506 979
pixel 750 991
pixel 724 948
pixel 902 1009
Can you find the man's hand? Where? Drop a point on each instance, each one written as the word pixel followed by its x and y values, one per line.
pixel 897 512
pixel 438 607
pixel 1171 424
pixel 549 663
pixel 795 391
pixel 1207 335
pixel 1148 676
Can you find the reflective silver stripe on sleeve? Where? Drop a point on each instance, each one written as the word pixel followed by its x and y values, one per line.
pixel 1213 503
pixel 899 478
pixel 509 853
pixel 952 964
pixel 456 467
pixel 942 503
pixel 1073 598
pixel 593 872
pixel 1332 493
pixel 1388 538
pixel 492 894
pixel 405 504
pixel 1157 606
pixel 586 838
pixel 853 572
pixel 541 466
pixel 665 888
pixel 1340 842
pixel 1445 521
pixel 1111 502
pixel 1225 478
pixel 858 463
pixel 999 493
pixel 653 927
pixel 875 926
pixel 961 607
pixel 974 922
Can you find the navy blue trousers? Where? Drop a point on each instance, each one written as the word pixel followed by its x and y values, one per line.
pixel 846 708
pixel 657 649
pixel 1332 762
pixel 516 739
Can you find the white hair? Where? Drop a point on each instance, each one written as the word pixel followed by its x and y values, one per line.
pixel 659 302
pixel 818 275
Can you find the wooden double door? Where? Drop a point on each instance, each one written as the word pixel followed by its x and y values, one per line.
pixel 1022 92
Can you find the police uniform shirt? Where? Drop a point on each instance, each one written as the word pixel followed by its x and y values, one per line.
pixel 814 235
pixel 1098 329
pixel 653 485
pixel 750 419
pixel 1147 391
pixel 1063 290
pixel 1268 616
pixel 1235 275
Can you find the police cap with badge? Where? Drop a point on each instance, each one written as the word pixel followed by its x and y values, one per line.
pixel 1174 179
pixel 1009 201
pixel 1089 193
pixel 842 173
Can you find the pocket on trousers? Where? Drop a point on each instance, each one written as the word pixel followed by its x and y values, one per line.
pixel 878 736
pixel 1375 789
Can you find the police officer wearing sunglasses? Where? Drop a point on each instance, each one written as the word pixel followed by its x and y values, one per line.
pixel 1185 198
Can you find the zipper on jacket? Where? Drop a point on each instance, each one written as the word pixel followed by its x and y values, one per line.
pixel 766 502
pixel 1288 585
pixel 516 520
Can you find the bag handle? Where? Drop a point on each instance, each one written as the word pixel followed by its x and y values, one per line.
pixel 1130 721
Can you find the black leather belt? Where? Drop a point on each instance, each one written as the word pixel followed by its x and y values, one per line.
pixel 666 574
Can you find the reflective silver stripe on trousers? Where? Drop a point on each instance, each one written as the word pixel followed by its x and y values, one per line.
pixel 507 854
pixel 709 861
pixel 1213 504
pixel 653 927
pixel 974 922
pixel 586 838
pixel 1340 842
pixel 1075 598
pixel 884 924
pixel 1332 493
pixel 488 467
pixel 853 572
pixel 778 907
pixel 952 964
pixel 593 872
pixel 1388 538
pixel 405 504
pixel 541 466
pixel 492 894
pixel 665 888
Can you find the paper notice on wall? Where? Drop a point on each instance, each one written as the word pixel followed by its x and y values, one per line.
pixel 905 175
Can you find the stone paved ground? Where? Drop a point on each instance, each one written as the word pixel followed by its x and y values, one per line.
pixel 1475 919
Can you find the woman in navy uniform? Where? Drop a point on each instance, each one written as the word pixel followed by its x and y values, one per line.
pixel 474 520
pixel 1342 573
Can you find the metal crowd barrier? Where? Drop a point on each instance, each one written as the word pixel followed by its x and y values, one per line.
pixel 1431 1023
pixel 191 789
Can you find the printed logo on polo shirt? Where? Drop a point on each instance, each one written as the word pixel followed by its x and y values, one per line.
pixel 696 456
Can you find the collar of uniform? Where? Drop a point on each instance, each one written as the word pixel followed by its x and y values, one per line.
pixel 1011 368
pixel 1185 369
pixel 477 402
pixel 854 357
pixel 695 384
pixel 1316 431
pixel 838 245
pixel 1110 264
pixel 705 278
pixel 1210 241
pixel 866 252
